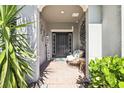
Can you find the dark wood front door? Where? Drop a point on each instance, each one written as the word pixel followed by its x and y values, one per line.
pixel 62 44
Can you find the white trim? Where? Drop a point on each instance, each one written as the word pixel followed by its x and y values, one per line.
pixel 63 30
pixel 95 41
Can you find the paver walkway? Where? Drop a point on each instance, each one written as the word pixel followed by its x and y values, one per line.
pixel 61 75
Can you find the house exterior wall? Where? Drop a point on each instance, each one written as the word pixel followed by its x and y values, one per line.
pixel 95 14
pixel 111 30
pixel 29 12
pixel 42 46
pixel 103 26
pixel 108 42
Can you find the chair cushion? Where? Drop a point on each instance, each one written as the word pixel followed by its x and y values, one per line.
pixel 78 53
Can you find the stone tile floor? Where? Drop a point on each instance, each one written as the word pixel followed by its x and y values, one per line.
pixel 61 75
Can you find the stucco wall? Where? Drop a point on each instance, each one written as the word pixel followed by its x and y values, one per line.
pixel 32 12
pixel 111 30
pixel 28 10
pixel 95 14
pixel 109 16
pixel 42 47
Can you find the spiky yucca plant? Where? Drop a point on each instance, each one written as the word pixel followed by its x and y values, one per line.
pixel 15 49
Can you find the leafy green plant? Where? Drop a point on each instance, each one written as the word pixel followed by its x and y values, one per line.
pixel 107 72
pixel 15 50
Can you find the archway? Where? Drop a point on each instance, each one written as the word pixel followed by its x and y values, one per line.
pixel 84 9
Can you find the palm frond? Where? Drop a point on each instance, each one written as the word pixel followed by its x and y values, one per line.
pixel 16 51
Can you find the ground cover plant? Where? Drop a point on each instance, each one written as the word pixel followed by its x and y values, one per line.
pixel 107 72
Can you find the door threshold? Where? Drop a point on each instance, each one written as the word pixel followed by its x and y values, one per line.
pixel 59 59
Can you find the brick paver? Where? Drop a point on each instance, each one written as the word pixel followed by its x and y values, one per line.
pixel 61 75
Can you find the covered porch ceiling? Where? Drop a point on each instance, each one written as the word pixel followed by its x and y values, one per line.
pixel 62 13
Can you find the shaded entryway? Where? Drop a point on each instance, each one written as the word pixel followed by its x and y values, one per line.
pixel 62 44
pixel 58 44
pixel 61 75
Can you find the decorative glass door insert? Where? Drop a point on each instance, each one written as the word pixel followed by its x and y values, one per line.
pixel 61 44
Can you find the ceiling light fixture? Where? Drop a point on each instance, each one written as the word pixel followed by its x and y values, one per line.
pixel 62 12
pixel 75 14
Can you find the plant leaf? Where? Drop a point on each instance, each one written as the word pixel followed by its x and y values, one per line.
pixel 105 70
pixel 13 56
pixel 1 22
pixel 13 80
pixel 111 80
pixel 7 33
pixel 2 56
pixel 122 70
pixel 121 84
pixel 22 25
pixel 3 72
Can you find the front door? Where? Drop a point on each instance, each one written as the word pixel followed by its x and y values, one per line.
pixel 62 44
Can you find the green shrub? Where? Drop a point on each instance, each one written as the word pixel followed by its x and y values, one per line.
pixel 107 72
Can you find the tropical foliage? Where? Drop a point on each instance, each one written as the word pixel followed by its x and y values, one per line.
pixel 15 50
pixel 107 72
